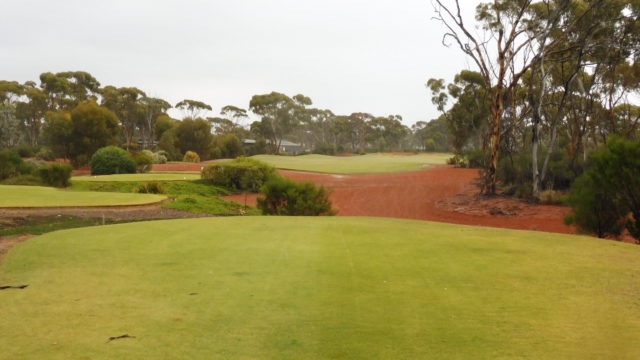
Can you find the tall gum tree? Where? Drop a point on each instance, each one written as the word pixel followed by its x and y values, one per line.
pixel 504 50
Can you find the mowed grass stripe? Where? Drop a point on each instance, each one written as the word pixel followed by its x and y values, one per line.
pixel 38 196
pixel 319 288
pixel 362 164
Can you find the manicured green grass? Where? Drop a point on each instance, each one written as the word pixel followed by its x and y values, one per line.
pixel 318 288
pixel 363 164
pixel 154 176
pixel 38 196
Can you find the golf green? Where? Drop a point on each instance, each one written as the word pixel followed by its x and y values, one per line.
pixel 38 196
pixel 318 288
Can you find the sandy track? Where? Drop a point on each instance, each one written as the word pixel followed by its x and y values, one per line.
pixel 442 193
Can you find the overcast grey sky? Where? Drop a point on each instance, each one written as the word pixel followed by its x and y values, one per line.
pixel 347 55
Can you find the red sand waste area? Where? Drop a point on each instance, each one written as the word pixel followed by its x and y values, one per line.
pixel 442 193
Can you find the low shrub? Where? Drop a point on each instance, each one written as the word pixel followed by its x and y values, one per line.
pixel 144 162
pixel 191 157
pixel 154 187
pixel 325 149
pixel 26 150
pixel 10 163
pixel 45 154
pixel 112 160
pixel 57 175
pixel 28 180
pixel 551 197
pixel 159 157
pixel 285 197
pixel 240 174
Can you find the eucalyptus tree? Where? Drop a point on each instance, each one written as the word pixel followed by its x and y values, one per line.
pixel 192 108
pixel 151 108
pixel 280 115
pixel 67 89
pixel 10 91
pixel 126 103
pixel 31 111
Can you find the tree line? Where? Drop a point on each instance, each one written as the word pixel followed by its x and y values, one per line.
pixel 73 115
pixel 553 80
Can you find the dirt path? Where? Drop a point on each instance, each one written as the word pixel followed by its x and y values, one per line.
pixel 442 193
pixel 133 212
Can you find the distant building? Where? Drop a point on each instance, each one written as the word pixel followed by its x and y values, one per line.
pixel 286 146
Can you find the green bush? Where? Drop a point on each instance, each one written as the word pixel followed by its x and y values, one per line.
pixel 227 146
pixel 240 174
pixel 10 164
pixel 606 197
pixel 57 175
pixel 45 154
pixel 285 197
pixel 477 159
pixel 154 187
pixel 144 162
pixel 26 150
pixel 28 180
pixel 191 157
pixel 159 157
pixel 325 149
pixel 112 160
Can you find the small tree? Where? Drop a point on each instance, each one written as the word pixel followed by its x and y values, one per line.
pixel 606 197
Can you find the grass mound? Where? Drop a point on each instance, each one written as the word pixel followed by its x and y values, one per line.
pixel 364 164
pixel 37 196
pixel 318 288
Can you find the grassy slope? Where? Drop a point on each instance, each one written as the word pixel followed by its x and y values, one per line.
pixel 156 176
pixel 37 196
pixel 365 164
pixel 196 196
pixel 319 288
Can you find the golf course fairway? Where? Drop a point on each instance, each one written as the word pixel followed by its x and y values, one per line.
pixel 318 288
pixel 360 164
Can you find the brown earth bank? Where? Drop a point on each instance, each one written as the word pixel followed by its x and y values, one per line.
pixel 441 193
pixel 118 213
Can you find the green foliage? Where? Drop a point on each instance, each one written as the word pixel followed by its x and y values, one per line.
pixel 227 147
pixel 158 157
pixel 194 135
pixel 112 160
pixel 57 175
pixel 240 174
pixel 286 197
pixel 515 174
pixel 325 149
pixel 606 197
pixel 26 150
pixel 154 187
pixel 191 156
pixel 94 127
pixel 11 164
pixel 167 144
pixel 144 162
pixel 26 180
pixel 45 154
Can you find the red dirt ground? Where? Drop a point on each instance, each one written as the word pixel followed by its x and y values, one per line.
pixel 442 193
